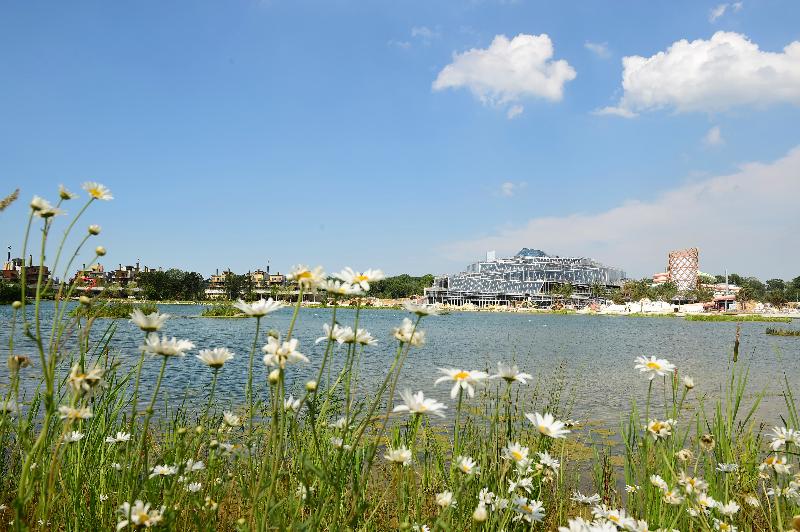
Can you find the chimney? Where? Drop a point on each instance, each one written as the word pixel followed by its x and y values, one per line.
pixel 84 266
pixel 267 267
pixel 9 253
pixel 30 260
pixel 217 271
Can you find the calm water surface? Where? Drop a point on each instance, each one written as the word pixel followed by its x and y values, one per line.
pixel 597 353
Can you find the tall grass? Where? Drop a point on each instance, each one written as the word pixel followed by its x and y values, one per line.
pixel 87 451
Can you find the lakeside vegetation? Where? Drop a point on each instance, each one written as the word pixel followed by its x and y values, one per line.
pixel 112 309
pixel 222 310
pixel 737 318
pixel 775 331
pixel 86 450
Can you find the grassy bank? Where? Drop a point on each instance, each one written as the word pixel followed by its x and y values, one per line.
pixel 736 318
pixel 775 331
pixel 113 309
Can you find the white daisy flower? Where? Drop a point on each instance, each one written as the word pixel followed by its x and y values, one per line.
pixel 727 468
pixel 194 487
pixel 777 463
pixel 65 194
pixel 401 455
pixel 339 288
pixel 139 515
pixel 305 277
pixel 511 373
pixel 660 429
pixel 462 380
pixel 279 353
pixel 97 191
pixel 659 482
pixel 580 498
pixel 445 499
pixel 654 366
pixel 530 510
pixel 166 346
pixel 192 465
pixel 148 322
pixel 728 509
pixel 467 465
pixel 548 461
pixel 360 279
pixel 214 358
pixel 416 403
pixel 548 425
pixel 516 452
pixel 163 471
pixel 781 435
pixel 407 333
pixel 421 310
pixel 231 419
pixel 72 437
pixel 74 414
pixel 120 437
pixel 290 404
pixel 260 308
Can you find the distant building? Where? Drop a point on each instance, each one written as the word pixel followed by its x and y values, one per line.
pixel 12 271
pixel 683 266
pixel 529 276
pixel 215 285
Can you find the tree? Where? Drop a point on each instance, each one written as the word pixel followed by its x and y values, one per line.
pixel 234 285
pixel 666 291
pixel 401 286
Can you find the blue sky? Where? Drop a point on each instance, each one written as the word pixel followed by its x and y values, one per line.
pixel 232 133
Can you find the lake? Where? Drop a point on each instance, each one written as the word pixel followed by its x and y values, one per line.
pixel 597 353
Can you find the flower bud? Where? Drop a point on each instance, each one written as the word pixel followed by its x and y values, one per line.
pixel 796 522
pixel 199 429
pixel 274 334
pixel 213 444
pixel 65 194
pixel 85 300
pixel 480 514
pixel 100 251
pixel 16 305
pixel 182 431
pixel 688 382
pixel 241 521
pixel 94 229
pixel 15 362
pixel 311 386
pixel 274 375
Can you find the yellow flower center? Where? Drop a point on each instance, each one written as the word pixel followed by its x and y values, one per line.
pixel 362 277
pixel 544 429
pixel 304 275
pixel 654 365
pixel 516 455
pixel 95 193
pixel 461 375
pixel 613 518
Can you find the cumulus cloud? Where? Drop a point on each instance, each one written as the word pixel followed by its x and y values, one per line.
pixel 714 137
pixel 725 71
pixel 742 221
pixel 600 49
pixel 508 71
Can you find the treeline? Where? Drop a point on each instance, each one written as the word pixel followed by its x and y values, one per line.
pixel 777 292
pixel 400 286
pixel 173 284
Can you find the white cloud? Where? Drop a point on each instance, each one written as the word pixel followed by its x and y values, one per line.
pixel 742 221
pixel 509 188
pixel 600 49
pixel 712 75
pixel 514 111
pixel 717 12
pixel 714 137
pixel 425 33
pixel 508 71
pixel 405 45
pixel 721 9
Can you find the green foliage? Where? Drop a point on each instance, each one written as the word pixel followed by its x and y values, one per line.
pixel 173 284
pixel 776 331
pixel 736 318
pixel 221 311
pixel 400 286
pixel 9 292
pixel 113 309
